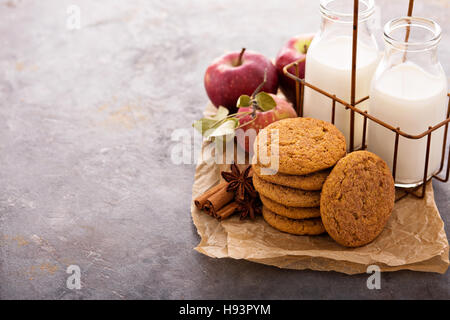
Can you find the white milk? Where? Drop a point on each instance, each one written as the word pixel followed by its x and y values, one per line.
pixel 408 97
pixel 328 66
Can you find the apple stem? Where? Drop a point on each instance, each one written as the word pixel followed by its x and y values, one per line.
pixel 232 116
pixel 255 107
pixel 239 62
pixel 247 123
pixel 239 114
pixel 260 85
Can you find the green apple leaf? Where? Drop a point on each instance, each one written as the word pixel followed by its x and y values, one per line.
pixel 265 101
pixel 224 129
pixel 221 114
pixel 205 124
pixel 244 101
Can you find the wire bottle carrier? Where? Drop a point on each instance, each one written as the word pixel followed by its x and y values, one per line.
pixel 300 85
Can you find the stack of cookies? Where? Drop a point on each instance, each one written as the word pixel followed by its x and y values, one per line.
pixel 308 149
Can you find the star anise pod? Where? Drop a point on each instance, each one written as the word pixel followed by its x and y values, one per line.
pixel 250 207
pixel 240 183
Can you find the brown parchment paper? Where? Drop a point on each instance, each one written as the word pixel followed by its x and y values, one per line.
pixel 414 237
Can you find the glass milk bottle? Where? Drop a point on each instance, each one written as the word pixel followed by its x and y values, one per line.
pixel 329 63
pixel 409 91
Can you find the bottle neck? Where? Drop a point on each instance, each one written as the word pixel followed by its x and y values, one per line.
pixel 342 11
pixel 337 19
pixel 412 40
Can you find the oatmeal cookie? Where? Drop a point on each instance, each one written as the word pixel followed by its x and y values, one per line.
pixel 306 145
pixel 357 199
pixel 290 212
pixel 310 182
pixel 289 197
pixel 293 226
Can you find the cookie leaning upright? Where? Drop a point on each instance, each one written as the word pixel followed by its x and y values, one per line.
pixel 357 199
pixel 306 145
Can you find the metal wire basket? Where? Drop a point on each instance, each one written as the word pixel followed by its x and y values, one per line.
pixel 300 85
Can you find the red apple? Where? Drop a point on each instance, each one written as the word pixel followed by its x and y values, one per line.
pixel 262 119
pixel 238 73
pixel 295 49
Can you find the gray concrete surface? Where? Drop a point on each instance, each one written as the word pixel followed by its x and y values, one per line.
pixel 85 172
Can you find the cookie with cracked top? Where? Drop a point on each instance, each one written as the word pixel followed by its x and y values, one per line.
pixel 357 199
pixel 305 145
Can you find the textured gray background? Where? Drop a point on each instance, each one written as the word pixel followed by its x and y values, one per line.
pixel 85 173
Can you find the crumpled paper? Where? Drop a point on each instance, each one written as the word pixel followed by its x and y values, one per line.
pixel 413 239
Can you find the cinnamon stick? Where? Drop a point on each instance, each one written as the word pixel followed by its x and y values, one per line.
pixel 201 200
pixel 227 211
pixel 218 200
pixel 208 210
